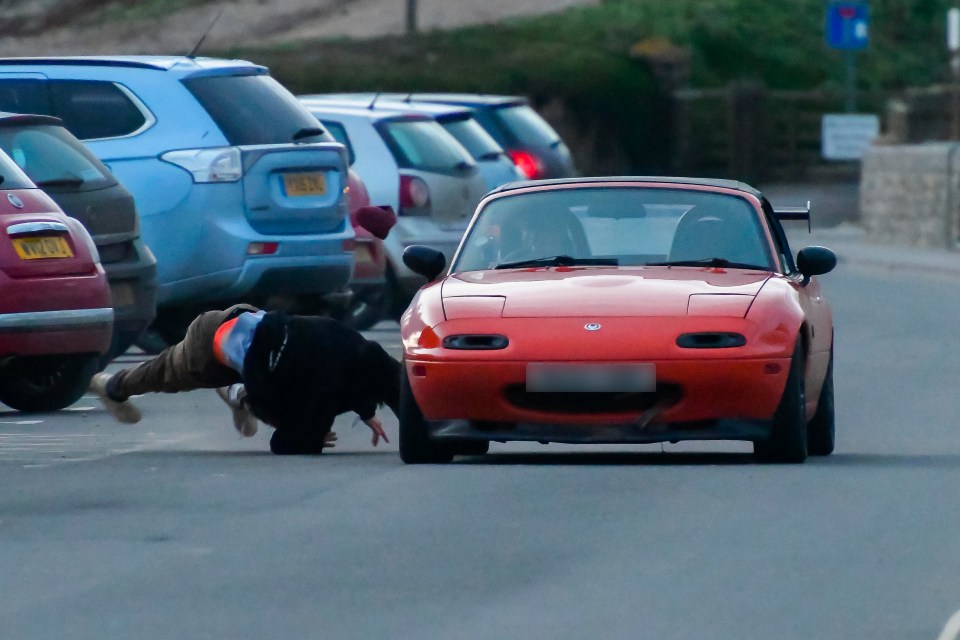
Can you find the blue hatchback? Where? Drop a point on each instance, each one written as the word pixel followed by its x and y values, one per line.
pixel 241 194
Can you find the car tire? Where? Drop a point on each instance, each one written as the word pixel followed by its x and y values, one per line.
pixel 46 383
pixel 396 300
pixel 788 435
pixel 415 444
pixel 364 314
pixel 122 340
pixel 821 430
pixel 150 342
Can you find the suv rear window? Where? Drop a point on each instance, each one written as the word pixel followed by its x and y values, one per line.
pixel 52 157
pixel 473 137
pixel 424 145
pixel 526 125
pixel 90 109
pixel 254 110
pixel 339 134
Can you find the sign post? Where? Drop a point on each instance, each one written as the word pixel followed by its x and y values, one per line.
pixel 847 29
pixel 953 45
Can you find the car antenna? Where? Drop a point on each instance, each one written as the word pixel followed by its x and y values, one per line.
pixel 193 52
pixel 374 101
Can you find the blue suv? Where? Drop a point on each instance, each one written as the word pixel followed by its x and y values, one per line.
pixel 241 194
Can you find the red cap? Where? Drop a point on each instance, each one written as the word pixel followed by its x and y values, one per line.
pixel 376 220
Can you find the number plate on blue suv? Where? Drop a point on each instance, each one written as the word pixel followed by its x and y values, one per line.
pixel 304 184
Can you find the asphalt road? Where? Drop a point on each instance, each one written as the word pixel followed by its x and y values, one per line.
pixel 177 528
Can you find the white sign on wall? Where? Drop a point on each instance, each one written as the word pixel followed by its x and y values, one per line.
pixel 845 136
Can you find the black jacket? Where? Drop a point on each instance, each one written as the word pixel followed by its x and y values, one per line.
pixel 301 372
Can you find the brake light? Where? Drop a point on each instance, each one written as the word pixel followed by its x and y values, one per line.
pixel 221 164
pixel 528 163
pixel 414 194
pixel 262 248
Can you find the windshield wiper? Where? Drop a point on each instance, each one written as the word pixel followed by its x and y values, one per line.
pixel 558 261
pixel 491 155
pixel 706 262
pixel 308 132
pixel 61 182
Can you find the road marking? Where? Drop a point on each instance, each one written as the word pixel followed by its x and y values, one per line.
pixel 21 421
pixel 952 629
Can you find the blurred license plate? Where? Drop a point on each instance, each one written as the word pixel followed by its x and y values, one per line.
pixel 122 294
pixel 591 377
pixel 304 184
pixel 34 248
pixel 362 254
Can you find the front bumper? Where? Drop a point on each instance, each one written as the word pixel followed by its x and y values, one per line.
pixel 688 391
pixel 631 433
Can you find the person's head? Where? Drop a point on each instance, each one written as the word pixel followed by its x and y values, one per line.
pixel 381 373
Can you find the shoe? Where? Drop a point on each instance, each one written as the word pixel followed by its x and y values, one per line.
pixel 243 419
pixel 125 411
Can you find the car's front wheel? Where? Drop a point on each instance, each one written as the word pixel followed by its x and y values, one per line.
pixel 46 383
pixel 415 444
pixel 788 435
pixel 821 431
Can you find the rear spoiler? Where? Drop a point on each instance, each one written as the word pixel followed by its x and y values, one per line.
pixel 793 213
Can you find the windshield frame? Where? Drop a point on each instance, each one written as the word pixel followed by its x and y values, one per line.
pixel 768 245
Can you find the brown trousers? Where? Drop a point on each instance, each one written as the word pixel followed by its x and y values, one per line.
pixel 187 365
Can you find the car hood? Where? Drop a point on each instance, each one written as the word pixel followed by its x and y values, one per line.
pixel 602 291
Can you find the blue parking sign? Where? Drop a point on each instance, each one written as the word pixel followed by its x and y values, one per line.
pixel 847 25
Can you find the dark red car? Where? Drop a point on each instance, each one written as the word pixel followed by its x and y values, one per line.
pixel 56 314
pixel 371 296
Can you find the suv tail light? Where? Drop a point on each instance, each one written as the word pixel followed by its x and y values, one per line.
pixel 529 164
pixel 414 196
pixel 208 165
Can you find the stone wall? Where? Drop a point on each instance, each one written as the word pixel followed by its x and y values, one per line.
pixel 910 194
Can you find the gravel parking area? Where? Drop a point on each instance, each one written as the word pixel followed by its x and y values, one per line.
pixel 262 22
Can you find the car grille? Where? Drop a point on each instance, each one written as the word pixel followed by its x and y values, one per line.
pixel 592 402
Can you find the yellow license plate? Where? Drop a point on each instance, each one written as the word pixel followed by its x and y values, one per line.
pixel 304 184
pixel 35 248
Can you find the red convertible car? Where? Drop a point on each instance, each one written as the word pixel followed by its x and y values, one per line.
pixel 56 313
pixel 620 310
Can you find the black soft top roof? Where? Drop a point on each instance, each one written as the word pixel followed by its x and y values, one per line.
pixel 707 182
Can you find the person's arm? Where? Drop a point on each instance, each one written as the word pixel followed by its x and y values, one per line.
pixel 377 427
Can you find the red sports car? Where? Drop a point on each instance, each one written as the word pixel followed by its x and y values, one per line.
pixel 620 310
pixel 56 316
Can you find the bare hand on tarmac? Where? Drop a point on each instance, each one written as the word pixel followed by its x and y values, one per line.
pixel 377 427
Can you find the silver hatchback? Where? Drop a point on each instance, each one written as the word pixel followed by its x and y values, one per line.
pixel 411 163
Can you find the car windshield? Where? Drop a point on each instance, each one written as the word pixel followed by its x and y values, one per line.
pixel 424 145
pixel 473 137
pixel 255 109
pixel 627 226
pixel 526 126
pixel 53 158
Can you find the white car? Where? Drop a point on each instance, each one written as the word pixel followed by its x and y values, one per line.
pixel 494 164
pixel 410 163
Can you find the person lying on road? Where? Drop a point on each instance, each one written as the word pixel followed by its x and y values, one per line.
pixel 295 373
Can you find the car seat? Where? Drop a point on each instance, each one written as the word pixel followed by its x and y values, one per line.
pixel 704 236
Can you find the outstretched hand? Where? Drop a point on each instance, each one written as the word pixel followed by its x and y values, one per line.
pixel 377 427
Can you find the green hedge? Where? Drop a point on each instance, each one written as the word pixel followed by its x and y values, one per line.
pixel 581 58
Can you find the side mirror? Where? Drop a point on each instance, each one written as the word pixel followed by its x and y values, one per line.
pixel 424 260
pixel 815 261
